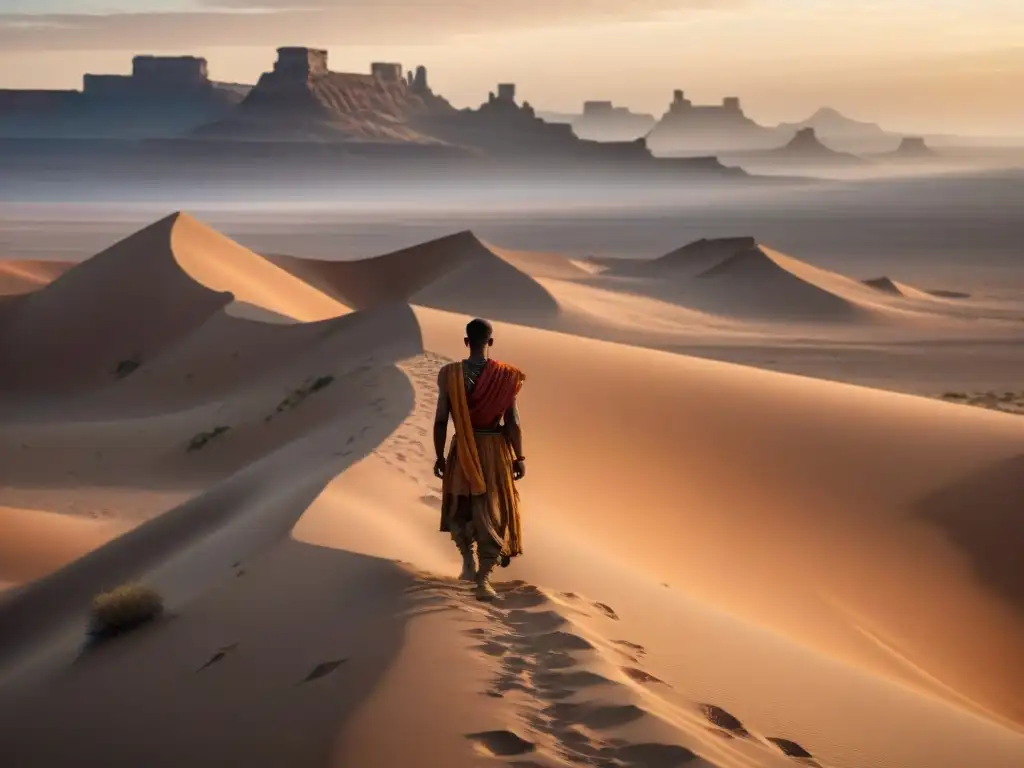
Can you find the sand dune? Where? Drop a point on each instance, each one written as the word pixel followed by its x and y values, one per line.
pixel 27 275
pixel 457 273
pixel 689 260
pixel 764 283
pixel 894 288
pixel 725 567
pixel 88 326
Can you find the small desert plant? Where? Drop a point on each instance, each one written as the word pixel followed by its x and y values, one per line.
pixel 123 608
pixel 126 367
pixel 203 438
pixel 300 394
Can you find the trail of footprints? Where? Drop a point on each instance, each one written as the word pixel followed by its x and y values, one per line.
pixel 408 449
pixel 547 667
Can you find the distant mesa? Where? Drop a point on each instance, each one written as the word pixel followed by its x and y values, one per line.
pixel 301 99
pixel 301 110
pixel 687 127
pixel 603 121
pixel 912 148
pixel 163 96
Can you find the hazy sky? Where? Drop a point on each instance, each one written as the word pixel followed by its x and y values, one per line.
pixel 915 65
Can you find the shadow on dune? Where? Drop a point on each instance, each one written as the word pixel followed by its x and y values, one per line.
pixel 182 550
pixel 145 700
pixel 982 516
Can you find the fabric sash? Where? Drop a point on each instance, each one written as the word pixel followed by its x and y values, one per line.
pixel 494 392
pixel 469 459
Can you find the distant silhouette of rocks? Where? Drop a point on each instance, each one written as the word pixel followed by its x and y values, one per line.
pixel 842 132
pixel 687 127
pixel 807 147
pixel 603 121
pixel 301 99
pixel 163 96
pixel 913 148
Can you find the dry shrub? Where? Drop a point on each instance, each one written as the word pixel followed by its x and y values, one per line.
pixel 123 609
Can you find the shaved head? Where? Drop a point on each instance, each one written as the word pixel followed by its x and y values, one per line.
pixel 479 333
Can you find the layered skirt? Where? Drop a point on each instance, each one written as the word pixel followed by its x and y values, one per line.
pixel 495 514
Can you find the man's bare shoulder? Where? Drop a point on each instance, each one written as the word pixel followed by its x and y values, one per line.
pixel 443 373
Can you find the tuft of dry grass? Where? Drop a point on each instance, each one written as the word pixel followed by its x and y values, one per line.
pixel 127 367
pixel 1007 402
pixel 124 608
pixel 203 438
pixel 298 395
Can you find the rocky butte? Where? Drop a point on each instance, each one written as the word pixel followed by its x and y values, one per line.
pixel 807 147
pixel 688 127
pixel 603 121
pixel 301 99
pixel 912 148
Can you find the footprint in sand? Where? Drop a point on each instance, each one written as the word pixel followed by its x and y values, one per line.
pixel 640 676
pixel 559 641
pixel 571 681
pixel 520 595
pixel 595 716
pixel 631 651
pixel 607 611
pixel 650 755
pixel 501 743
pixel 321 670
pixel 794 750
pixel 535 621
pixel 725 724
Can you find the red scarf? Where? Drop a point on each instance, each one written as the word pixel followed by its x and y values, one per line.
pixel 494 393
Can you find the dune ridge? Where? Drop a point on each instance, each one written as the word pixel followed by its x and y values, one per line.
pixel 85 326
pixel 458 272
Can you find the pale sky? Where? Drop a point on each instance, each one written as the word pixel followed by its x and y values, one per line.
pixel 912 65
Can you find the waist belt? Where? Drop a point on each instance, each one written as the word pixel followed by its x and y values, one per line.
pixel 491 431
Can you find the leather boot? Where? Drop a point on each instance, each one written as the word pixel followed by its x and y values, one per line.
pixel 484 590
pixel 465 547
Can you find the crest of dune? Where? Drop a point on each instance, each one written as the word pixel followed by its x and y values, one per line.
pixel 136 298
pixel 459 273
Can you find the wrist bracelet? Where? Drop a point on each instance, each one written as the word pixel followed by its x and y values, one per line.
pixel 520 458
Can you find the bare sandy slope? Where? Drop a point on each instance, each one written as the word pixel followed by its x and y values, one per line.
pixel 27 275
pixel 457 273
pixel 724 566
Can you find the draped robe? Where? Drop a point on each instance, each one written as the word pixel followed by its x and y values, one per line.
pixel 479 464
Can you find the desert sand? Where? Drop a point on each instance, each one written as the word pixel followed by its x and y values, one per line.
pixel 724 565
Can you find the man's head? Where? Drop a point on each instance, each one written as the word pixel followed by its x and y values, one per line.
pixel 479 335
